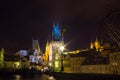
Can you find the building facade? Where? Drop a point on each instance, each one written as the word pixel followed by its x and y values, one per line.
pixel 53 51
pixel 2 58
pixel 93 62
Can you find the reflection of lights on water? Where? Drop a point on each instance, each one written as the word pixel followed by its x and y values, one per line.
pixel 42 70
pixel 51 78
pixel 17 77
pixel 45 67
pixel 47 77
pixel 42 77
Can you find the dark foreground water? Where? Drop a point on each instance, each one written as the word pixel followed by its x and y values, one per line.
pixel 61 77
pixel 28 77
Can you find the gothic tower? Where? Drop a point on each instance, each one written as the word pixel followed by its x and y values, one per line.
pixel 35 45
pixel 91 45
pixel 54 46
pixel 97 44
pixel 47 51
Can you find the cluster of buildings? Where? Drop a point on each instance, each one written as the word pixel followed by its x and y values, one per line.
pixel 97 60
pixel 23 59
pixel 100 58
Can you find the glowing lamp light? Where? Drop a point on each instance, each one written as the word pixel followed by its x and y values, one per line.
pixel 17 63
pixel 50 64
pixel 62 48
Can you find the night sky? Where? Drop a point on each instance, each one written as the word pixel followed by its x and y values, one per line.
pixel 20 20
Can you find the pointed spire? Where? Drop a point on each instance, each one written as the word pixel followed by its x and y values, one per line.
pixel 38 38
pixel 91 45
pixel 96 39
pixel 35 45
pixel 46 56
pixel 97 44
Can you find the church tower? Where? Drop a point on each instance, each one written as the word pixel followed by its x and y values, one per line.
pixel 97 44
pixel 47 51
pixel 35 45
pixel 91 45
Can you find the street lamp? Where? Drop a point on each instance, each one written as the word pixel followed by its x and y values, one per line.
pixel 62 49
pixel 50 67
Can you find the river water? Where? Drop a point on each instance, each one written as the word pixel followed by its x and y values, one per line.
pixel 60 77
pixel 30 77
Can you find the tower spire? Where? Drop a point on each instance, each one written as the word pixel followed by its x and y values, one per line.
pixel 91 45
pixel 97 44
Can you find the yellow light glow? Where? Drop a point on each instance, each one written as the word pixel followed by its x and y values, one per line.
pixel 50 64
pixel 56 64
pixel 17 63
pixel 62 48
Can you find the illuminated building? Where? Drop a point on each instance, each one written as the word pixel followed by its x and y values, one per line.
pixel 2 58
pixel 92 61
pixel 47 51
pixel 23 53
pixel 54 49
pixel 35 45
pixel 91 45
pixel 35 56
pixel 96 45
pixel 99 46
pixel 56 54
pixel 115 62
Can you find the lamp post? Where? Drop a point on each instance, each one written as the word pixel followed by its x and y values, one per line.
pixel 62 49
pixel 50 67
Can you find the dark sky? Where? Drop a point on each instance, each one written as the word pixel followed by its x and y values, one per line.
pixel 20 20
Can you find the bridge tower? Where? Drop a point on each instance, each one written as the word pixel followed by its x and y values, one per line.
pixel 55 52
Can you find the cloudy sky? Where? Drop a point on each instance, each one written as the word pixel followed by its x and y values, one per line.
pixel 20 20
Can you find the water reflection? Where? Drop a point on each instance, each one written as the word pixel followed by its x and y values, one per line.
pixel 17 77
pixel 28 77
pixel 60 77
pixel 47 77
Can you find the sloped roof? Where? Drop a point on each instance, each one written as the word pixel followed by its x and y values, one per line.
pixel 96 60
pixel 88 53
pixel 92 57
